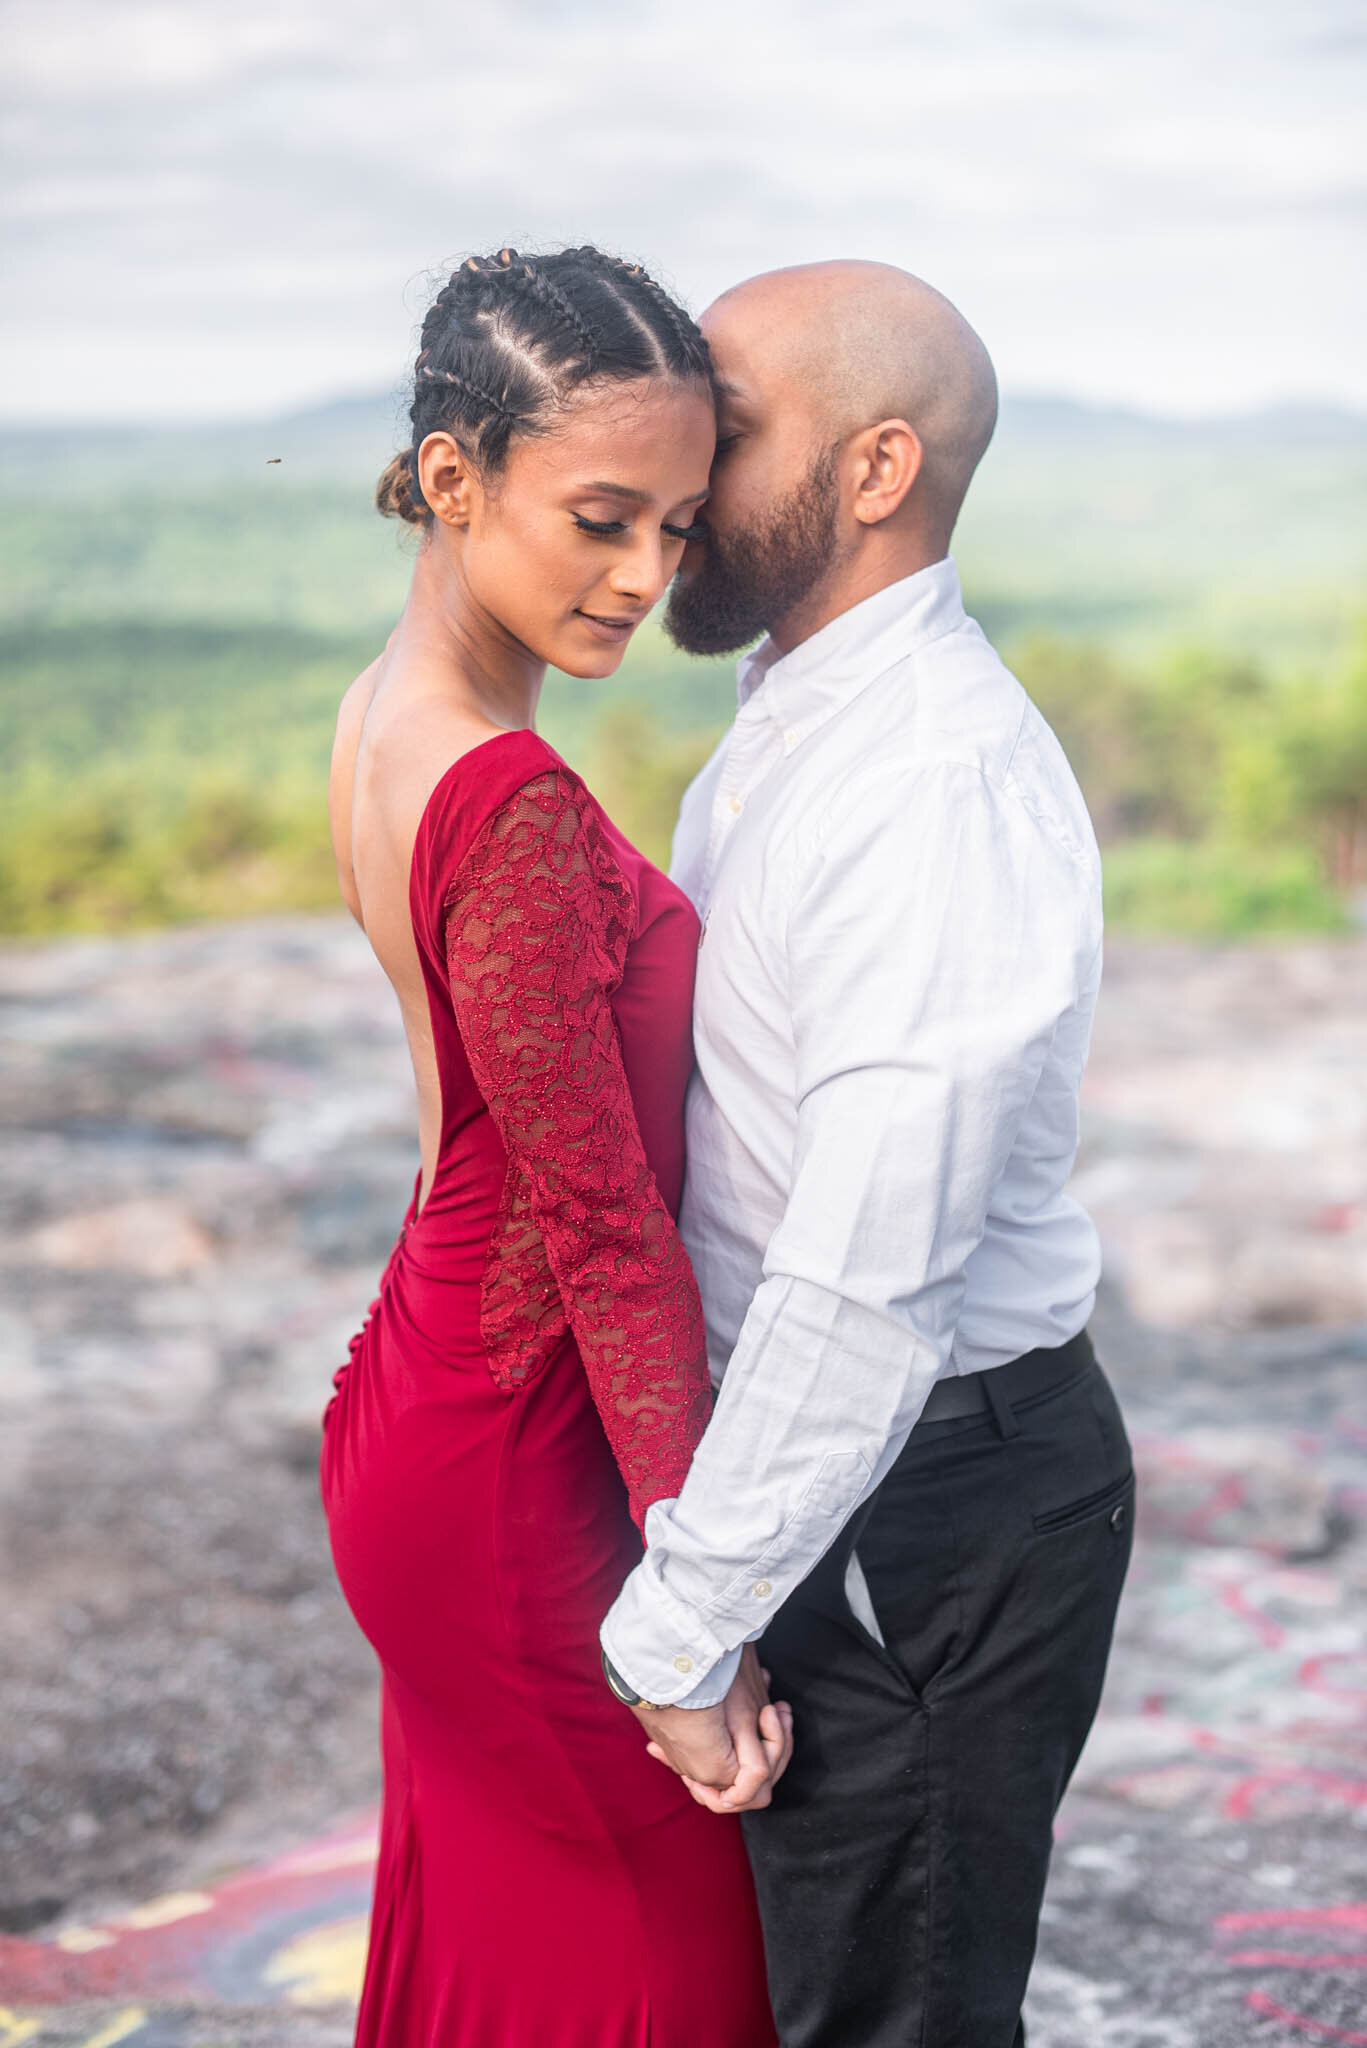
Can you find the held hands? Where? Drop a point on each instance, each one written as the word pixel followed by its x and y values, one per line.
pixel 730 1756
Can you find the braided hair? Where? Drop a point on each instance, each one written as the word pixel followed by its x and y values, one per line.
pixel 508 338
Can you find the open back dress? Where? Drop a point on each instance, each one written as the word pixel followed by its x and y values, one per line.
pixel 531 1376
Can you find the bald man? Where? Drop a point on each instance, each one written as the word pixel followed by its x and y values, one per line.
pixel 916 1485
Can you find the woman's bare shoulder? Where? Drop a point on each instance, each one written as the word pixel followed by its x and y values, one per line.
pixel 352 710
pixel 351 715
pixel 410 746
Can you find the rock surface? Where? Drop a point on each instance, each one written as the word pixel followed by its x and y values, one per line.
pixel 207 1146
pixel 1226 1134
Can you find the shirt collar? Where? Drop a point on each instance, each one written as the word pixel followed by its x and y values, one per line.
pixel 799 691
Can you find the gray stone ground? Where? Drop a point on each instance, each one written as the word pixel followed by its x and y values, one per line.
pixel 207 1147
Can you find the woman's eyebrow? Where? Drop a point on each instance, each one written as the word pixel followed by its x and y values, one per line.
pixel 637 497
pixel 620 491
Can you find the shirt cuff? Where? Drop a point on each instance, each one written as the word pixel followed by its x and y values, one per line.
pixel 664 1653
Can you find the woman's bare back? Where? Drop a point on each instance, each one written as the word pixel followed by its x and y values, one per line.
pixel 397 735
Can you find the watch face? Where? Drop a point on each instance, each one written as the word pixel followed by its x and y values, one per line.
pixel 619 1685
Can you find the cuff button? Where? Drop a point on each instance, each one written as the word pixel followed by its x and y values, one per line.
pixel 763 1589
pixel 683 1663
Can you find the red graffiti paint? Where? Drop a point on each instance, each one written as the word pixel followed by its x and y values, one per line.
pixel 1269 1633
pixel 1242 1803
pixel 1259 2002
pixel 1340 1673
pixel 215 1941
pixel 1228 1494
pixel 1352 1917
pixel 1292 1959
pixel 1319 1920
pixel 1334 1217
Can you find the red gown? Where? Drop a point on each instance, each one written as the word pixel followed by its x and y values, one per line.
pixel 536 1343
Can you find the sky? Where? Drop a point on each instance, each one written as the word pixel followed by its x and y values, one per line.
pixel 215 211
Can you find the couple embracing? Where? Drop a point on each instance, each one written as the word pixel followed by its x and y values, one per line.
pixel 723 1475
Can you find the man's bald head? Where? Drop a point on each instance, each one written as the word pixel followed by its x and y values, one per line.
pixel 855 343
pixel 855 403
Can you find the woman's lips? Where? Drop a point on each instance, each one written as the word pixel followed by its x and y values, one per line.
pixel 614 631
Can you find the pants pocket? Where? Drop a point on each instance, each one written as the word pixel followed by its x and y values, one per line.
pixel 1106 1500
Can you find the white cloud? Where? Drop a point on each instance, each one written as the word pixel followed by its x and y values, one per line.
pixel 220 211
pixel 75 50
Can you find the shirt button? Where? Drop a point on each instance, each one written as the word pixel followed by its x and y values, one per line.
pixel 1118 1516
pixel 683 1663
pixel 790 738
pixel 736 806
pixel 763 1589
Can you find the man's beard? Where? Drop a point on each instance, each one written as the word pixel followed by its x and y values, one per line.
pixel 755 577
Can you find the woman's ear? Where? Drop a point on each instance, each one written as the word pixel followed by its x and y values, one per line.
pixel 449 480
pixel 887 463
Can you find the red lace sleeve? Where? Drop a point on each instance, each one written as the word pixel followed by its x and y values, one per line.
pixel 538 921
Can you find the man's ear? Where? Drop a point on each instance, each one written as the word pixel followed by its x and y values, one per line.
pixel 887 462
pixel 450 483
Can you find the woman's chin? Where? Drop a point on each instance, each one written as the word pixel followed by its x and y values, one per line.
pixel 590 664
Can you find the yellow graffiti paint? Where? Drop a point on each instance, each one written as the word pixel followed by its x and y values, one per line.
pixel 79 1941
pixel 13 2030
pixel 338 1856
pixel 323 1966
pixel 118 2029
pixel 170 1907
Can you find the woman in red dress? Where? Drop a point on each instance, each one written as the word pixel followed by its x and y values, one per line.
pixel 533 1373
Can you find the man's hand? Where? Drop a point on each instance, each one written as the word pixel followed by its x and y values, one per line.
pixel 730 1756
pixel 694 1741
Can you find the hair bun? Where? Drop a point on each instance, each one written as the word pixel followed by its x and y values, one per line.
pixel 397 495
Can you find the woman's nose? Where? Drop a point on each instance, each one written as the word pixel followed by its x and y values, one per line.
pixel 640 574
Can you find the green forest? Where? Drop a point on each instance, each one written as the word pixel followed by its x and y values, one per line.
pixel 180 611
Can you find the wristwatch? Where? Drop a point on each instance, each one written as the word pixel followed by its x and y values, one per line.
pixel 622 1691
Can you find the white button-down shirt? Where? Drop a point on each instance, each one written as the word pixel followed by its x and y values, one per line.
pixel 901 948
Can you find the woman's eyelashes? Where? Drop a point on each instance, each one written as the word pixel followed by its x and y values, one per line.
pixel 604 528
pixel 608 529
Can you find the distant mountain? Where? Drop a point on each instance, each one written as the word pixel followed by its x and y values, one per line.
pixel 349 439
pixel 1286 425
pixel 1246 533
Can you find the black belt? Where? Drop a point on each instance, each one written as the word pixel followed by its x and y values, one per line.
pixel 1003 1386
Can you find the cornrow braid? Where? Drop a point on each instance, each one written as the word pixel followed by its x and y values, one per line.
pixel 509 338
pixel 460 292
pixel 478 395
pixel 559 303
pixel 641 288
pixel 684 329
pixel 519 273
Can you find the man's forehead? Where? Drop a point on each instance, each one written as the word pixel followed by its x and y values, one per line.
pixel 732 391
pixel 750 358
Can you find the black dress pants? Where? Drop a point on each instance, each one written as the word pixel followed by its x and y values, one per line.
pixel 901 1867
